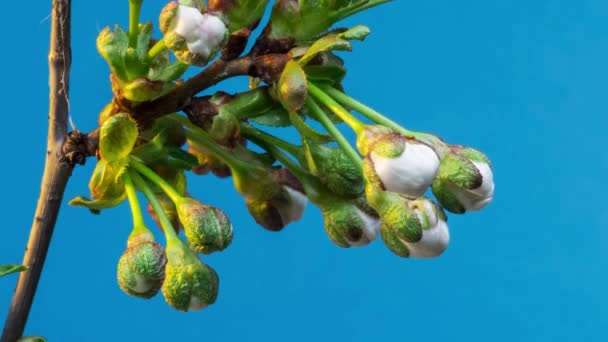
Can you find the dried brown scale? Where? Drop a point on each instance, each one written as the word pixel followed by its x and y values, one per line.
pixel 237 42
pixel 269 67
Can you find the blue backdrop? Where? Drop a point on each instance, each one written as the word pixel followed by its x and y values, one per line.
pixel 524 81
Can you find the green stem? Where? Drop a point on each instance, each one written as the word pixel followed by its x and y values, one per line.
pixel 251 132
pixel 168 229
pixel 334 131
pixel 138 219
pixel 335 107
pixel 156 179
pixel 289 163
pixel 199 136
pixel 134 12
pixel 156 49
pixel 378 118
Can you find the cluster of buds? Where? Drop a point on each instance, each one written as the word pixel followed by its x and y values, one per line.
pixel 377 188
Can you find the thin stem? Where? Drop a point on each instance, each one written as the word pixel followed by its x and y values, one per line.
pixel 334 131
pixel 134 12
pixel 335 107
pixel 289 163
pixel 168 229
pixel 156 179
pixel 156 49
pixel 378 118
pixel 57 171
pixel 252 132
pixel 199 136
pixel 138 218
pixel 366 111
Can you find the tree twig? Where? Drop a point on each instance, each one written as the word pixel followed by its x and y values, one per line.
pixel 57 171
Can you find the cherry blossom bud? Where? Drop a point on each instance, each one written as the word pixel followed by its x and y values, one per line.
pixel 141 269
pixel 193 36
pixel 465 180
pixel 207 228
pixel 347 225
pixel 398 164
pixel 189 283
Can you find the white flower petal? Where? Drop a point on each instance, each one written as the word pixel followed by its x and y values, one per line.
pixel 294 210
pixel 411 173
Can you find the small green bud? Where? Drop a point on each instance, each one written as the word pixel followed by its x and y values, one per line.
pixel 465 180
pixel 337 171
pixel 274 198
pixel 141 269
pixel 189 283
pixel 349 226
pixel 143 89
pixel 207 228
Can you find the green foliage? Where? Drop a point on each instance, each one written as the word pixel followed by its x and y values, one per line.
pixel 8 269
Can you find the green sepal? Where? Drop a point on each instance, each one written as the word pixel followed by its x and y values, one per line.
pixel 441 190
pixel 459 171
pixel 399 218
pixel 8 269
pixel 141 269
pixel 292 87
pixel 336 171
pixel 117 137
pixel 207 228
pixel 225 127
pixel 393 243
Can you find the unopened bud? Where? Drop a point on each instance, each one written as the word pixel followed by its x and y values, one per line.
pixel 399 164
pixel 141 269
pixel 189 283
pixel 465 180
pixel 349 226
pixel 207 228
pixel 337 171
pixel 193 36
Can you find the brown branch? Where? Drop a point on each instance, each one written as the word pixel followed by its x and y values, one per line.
pixel 57 171
pixel 146 112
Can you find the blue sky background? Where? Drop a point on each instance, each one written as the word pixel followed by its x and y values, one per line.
pixel 523 81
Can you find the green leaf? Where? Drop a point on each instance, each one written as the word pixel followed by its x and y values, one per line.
pixel 358 32
pixel 325 73
pixel 32 339
pixel 117 137
pixel 274 117
pixel 330 42
pixel 8 269
pixel 292 87
pixel 143 40
pixel 106 186
pixel 121 39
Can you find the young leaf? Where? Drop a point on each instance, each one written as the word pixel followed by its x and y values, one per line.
pixel 117 137
pixel 274 117
pixel 330 42
pixel 32 339
pixel 8 269
pixel 358 32
pixel 292 87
